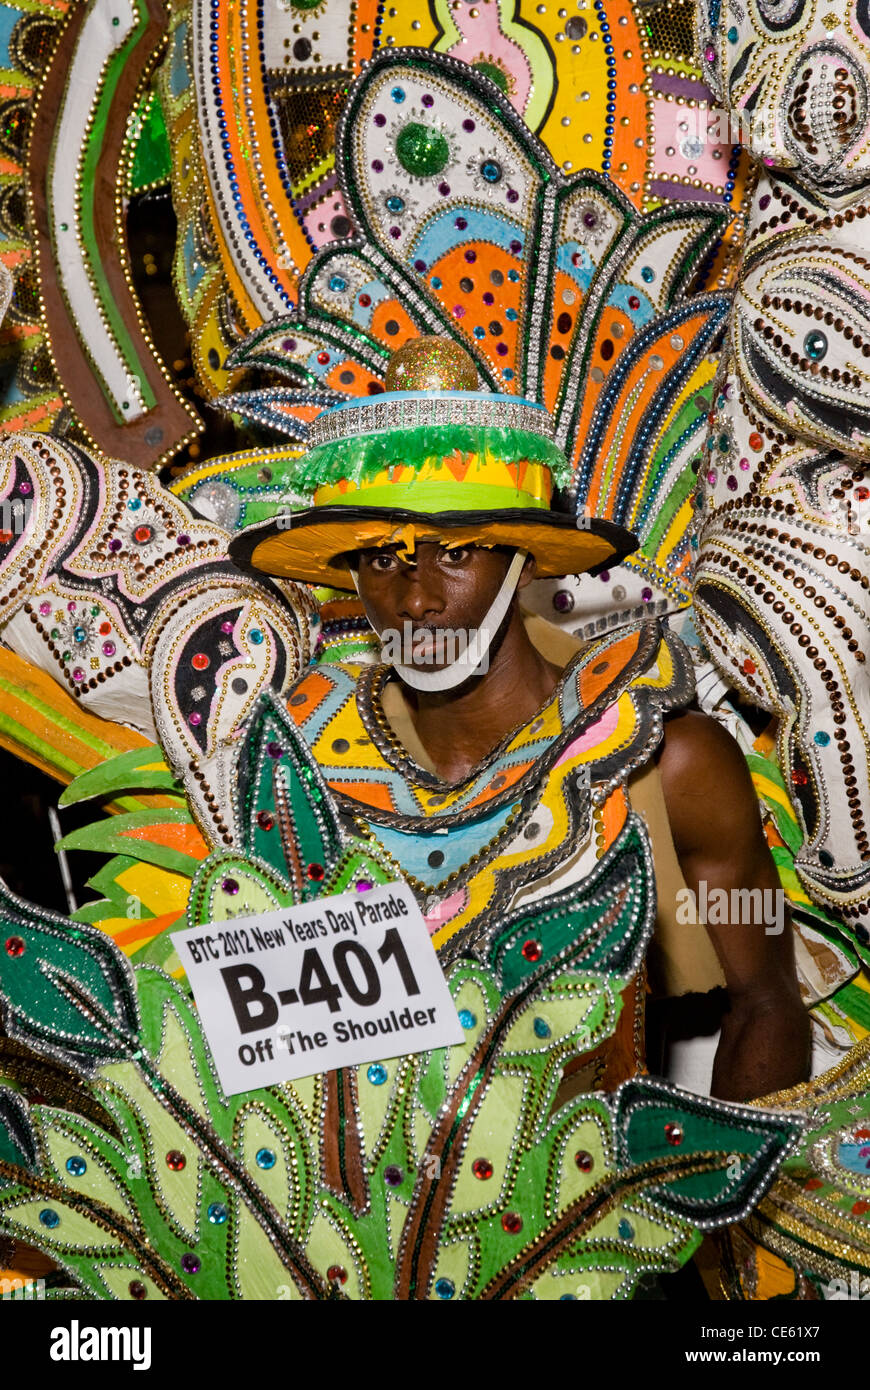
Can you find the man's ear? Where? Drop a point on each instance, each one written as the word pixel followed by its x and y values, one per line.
pixel 528 572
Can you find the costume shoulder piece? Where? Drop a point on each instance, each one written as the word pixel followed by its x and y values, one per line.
pixel 604 715
pixel 539 809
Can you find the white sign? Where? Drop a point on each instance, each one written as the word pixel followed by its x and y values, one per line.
pixel 333 983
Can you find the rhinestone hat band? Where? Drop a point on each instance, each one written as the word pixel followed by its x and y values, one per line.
pixel 414 410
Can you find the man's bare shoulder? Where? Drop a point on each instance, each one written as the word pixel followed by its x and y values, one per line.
pixel 706 782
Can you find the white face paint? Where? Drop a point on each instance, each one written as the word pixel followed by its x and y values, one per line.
pixel 473 659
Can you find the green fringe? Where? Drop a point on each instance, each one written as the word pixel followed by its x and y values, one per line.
pixel 364 456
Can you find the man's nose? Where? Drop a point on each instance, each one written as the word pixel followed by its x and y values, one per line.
pixel 422 596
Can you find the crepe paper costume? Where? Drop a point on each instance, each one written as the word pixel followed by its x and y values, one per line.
pixel 781 582
pixel 532 270
pixel 113 588
pixel 442 1175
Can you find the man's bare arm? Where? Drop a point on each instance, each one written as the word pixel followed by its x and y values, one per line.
pixel 713 812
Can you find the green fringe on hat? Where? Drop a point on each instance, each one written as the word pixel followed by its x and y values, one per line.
pixel 364 456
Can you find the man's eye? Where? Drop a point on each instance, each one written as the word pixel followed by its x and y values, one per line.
pixel 384 563
pixel 457 556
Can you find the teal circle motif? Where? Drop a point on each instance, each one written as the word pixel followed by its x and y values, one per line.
pixel 421 150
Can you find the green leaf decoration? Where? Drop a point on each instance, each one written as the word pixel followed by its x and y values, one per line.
pixel 156 837
pixel 289 817
pixel 143 769
pixel 16 1136
pixel 228 885
pixel 657 1120
pixel 447 1174
pixel 64 985
pixel 603 923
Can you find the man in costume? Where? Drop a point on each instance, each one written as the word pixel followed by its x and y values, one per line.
pixel 499 778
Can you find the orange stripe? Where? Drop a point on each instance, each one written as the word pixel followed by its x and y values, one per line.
pixel 145 928
pixel 184 838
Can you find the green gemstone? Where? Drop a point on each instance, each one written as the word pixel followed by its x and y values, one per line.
pixel 421 151
pixel 305 4
pixel 494 73
pixel 815 345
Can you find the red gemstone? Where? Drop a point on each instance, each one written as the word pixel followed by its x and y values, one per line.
pixel 512 1222
pixel 749 667
pixel 199 661
pixel 14 946
pixel 862 1133
pixel 323 358
pixel 585 1162
pixel 105 629
pixel 365 300
pixel 175 1160
pixel 812 1183
pixel 5 537
pixel 633 301
pixel 265 820
pixel 337 1274
pixel 756 442
pixel 799 778
pixel 859 1208
pixel 862 493
pixel 674 1134
pixel 532 950
pixel 482 1168
pixel 142 534
pixel 316 872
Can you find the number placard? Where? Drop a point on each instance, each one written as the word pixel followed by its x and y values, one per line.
pixel 333 983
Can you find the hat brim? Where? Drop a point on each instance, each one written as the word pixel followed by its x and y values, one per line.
pixel 311 546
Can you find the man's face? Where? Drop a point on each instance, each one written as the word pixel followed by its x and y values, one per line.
pixel 433 591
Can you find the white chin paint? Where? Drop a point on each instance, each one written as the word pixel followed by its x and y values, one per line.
pixel 474 656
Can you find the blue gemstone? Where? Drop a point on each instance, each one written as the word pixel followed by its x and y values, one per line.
pixel 444 1288
pixel 822 739
pixel 513 275
pixel 491 170
pixel 134 504
pixel 256 636
pixel 647 274
pixel 479 332
pixel 398 95
pixel 542 1028
pixel 217 1213
pixel 467 1018
pixel 80 633
pixel 626 1230
pixel 435 282
pixel 732 35
pixel 508 373
pixel 815 345
pixel 76 1165
pixel 395 203
pixel 266 1158
pixel 49 1218
pixel 568 1298
pixel 337 282
pixel 511 314
pixel 377 1073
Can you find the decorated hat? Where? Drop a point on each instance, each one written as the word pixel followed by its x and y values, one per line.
pixel 431 458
